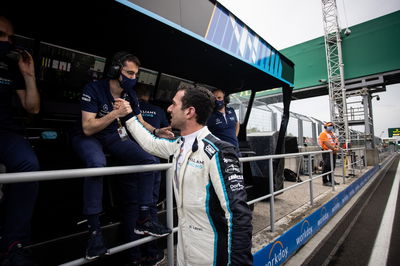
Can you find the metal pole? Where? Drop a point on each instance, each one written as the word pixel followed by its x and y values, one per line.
pixel 365 158
pixel 300 132
pixel 343 173
pixel 314 133
pixel 332 172
pixel 272 200
pixel 311 185
pixel 170 216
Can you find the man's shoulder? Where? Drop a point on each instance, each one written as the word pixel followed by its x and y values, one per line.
pixel 213 145
pixel 230 110
pixel 95 86
pixel 323 134
pixel 153 107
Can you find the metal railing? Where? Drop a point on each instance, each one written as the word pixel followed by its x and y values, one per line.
pixel 117 170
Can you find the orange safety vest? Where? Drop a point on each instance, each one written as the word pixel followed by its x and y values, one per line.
pixel 327 136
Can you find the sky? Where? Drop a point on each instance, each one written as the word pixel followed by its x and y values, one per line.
pixel 284 23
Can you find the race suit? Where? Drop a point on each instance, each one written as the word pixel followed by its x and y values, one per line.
pixel 214 218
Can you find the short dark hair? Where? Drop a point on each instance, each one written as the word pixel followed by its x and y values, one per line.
pixel 143 89
pixel 201 99
pixel 218 89
pixel 120 58
pixel 227 99
pixel 118 61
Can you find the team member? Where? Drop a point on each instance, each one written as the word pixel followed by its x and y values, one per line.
pixel 17 76
pixel 223 122
pixel 328 141
pixel 214 218
pixel 156 117
pixel 102 127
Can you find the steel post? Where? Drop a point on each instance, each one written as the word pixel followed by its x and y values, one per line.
pixel 272 200
pixel 170 215
pixel 310 176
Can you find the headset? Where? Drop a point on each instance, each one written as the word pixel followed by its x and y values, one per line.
pixel 117 63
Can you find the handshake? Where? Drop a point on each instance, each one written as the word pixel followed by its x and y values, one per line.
pixel 121 107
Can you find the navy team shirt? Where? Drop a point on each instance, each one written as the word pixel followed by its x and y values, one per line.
pixel 153 115
pixel 97 98
pixel 10 81
pixel 224 127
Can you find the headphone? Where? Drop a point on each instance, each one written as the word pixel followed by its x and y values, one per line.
pixel 116 64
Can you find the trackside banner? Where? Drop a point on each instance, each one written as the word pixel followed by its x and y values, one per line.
pixel 287 244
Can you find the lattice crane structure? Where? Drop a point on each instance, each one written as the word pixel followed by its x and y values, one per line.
pixel 335 67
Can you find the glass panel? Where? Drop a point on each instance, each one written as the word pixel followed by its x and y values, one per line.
pixel 167 87
pixel 239 102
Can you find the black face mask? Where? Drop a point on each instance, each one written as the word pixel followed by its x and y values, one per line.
pixel 127 83
pixel 219 104
pixel 8 51
pixel 5 48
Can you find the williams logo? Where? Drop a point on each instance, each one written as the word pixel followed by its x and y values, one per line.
pixel 278 254
pixel 196 163
pixel 306 232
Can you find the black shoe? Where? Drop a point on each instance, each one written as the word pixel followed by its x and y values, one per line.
pixel 336 183
pixel 18 256
pixel 152 228
pixel 327 184
pixel 96 246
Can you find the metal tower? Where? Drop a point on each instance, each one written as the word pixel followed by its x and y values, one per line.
pixel 333 50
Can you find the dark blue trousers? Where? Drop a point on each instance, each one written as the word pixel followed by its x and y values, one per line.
pixel 327 166
pixel 134 189
pixel 19 198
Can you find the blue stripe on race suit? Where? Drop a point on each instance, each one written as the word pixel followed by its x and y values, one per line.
pixel 211 222
pixel 221 177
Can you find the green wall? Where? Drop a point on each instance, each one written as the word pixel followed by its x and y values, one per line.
pixel 373 47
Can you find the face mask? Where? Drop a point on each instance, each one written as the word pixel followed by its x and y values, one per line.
pixel 219 104
pixel 127 83
pixel 4 47
pixel 329 128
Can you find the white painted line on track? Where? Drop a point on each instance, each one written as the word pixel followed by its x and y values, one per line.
pixel 382 243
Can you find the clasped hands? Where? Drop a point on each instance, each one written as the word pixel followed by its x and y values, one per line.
pixel 123 108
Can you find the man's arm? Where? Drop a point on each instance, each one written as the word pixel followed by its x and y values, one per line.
pixel 327 143
pixel 228 183
pixel 237 128
pixel 29 98
pixel 160 147
pixel 92 125
pixel 144 123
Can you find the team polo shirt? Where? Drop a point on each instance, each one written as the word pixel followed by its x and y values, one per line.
pixel 10 81
pixel 224 127
pixel 96 98
pixel 153 114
